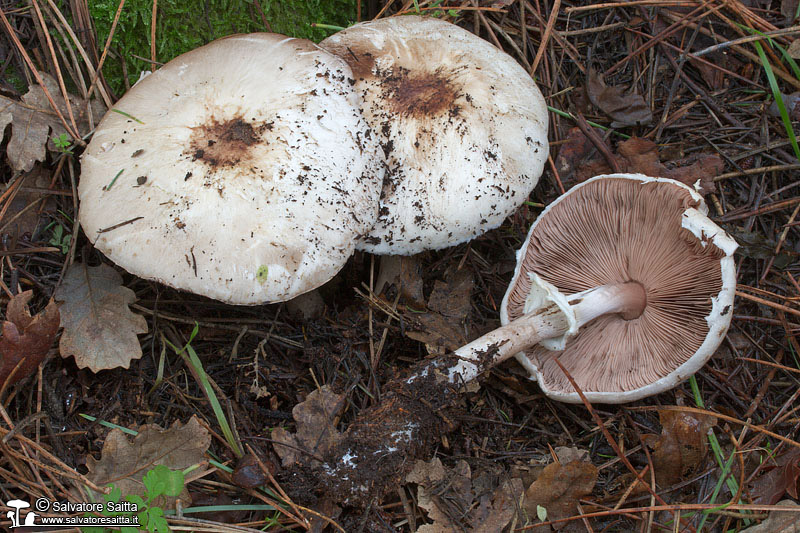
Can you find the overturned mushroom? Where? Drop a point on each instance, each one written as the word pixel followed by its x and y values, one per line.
pixel 462 125
pixel 623 279
pixel 650 283
pixel 242 170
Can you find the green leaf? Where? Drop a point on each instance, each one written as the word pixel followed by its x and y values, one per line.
pixel 114 495
pixel 541 513
pixel 135 498
pixel 174 483
pixel 154 482
pixel 776 93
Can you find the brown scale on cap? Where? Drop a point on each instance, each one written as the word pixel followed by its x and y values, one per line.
pixel 579 244
pixel 422 94
pixel 224 144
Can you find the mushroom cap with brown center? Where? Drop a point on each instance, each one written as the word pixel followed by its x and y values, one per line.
pixel 462 125
pixel 629 228
pixel 242 170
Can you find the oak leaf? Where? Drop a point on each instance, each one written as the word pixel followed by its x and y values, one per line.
pixel 34 122
pixel 626 109
pixel 682 446
pixel 124 463
pixel 26 339
pixel 316 428
pixel 99 328
pixel 558 489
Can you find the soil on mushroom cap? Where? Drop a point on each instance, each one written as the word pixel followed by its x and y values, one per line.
pixel 225 143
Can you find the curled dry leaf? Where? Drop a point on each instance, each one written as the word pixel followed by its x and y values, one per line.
pixel 316 428
pixel 124 463
pixel 681 447
pixel 558 489
pixel 99 328
pixel 637 155
pixel 455 500
pixel 26 339
pixel 779 521
pixel 29 204
pixel 626 109
pixel 34 123
pixel 442 327
pixel 781 478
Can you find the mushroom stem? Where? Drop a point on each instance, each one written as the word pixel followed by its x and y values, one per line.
pixel 548 322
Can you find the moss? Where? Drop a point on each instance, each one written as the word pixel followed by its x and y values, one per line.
pixel 186 24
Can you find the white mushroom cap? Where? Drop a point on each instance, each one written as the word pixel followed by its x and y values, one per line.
pixel 628 228
pixel 242 170
pixel 463 127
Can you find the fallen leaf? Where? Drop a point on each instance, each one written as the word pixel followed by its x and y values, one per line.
pixel 790 102
pixel 34 123
pixel 754 245
pixel 456 501
pixel 558 489
pixel 779 521
pixel 779 479
pixel 438 333
pixel 452 298
pixel 794 49
pixel 626 109
pixel 505 502
pixel 404 272
pixel 124 463
pixel 316 428
pixel 442 327
pixel 575 152
pixel 637 155
pixel 789 10
pixel 681 447
pixel 26 339
pixel 99 328
pixel 26 209
pixel 567 454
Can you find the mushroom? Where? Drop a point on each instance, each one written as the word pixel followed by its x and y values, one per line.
pixel 623 279
pixel 626 282
pixel 242 170
pixel 462 125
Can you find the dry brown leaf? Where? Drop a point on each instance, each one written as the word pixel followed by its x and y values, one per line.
pixel 558 489
pixel 27 207
pixel 779 521
pixel 626 109
pixel 442 327
pixel 789 10
pixel 794 49
pixel 124 463
pixel 681 447
pixel 575 152
pixel 780 479
pixel 99 328
pixel 639 155
pixel 449 497
pixel 316 427
pixel 34 123
pixel 452 298
pixel 26 339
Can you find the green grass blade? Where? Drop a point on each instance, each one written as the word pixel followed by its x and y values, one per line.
pixel 776 93
pixel 190 358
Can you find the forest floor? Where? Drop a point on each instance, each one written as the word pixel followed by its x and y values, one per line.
pixel 687 88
